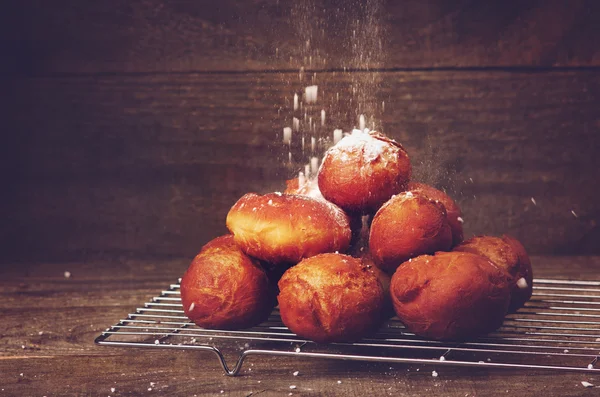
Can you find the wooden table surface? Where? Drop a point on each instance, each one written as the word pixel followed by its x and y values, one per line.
pixel 49 323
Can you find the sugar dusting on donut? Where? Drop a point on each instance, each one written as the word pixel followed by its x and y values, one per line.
pixel 364 142
pixel 339 216
pixel 363 170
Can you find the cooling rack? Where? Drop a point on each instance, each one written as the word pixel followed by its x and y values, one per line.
pixel 558 329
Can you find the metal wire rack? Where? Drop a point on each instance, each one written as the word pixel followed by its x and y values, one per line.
pixel 558 329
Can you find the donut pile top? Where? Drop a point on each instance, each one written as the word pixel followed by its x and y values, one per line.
pixel 362 202
pixel 364 170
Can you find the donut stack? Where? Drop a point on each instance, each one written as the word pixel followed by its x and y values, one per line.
pixel 343 252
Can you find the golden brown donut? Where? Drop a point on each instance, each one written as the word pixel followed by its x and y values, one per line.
pixel 330 298
pixel 310 188
pixel 450 296
pixel 406 226
pixel 363 170
pixel 284 228
pixel 508 254
pixel 225 288
pixel 453 211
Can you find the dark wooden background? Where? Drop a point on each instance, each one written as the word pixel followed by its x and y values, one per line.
pixel 130 128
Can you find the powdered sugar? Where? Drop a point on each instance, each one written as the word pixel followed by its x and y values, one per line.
pixel 339 216
pixel 359 141
pixel 400 197
pixel 522 283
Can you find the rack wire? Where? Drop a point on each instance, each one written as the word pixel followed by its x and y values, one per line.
pixel 558 329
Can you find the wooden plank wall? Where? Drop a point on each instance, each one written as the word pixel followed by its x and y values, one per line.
pixel 156 36
pixel 131 128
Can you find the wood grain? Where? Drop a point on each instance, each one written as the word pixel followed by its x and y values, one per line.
pixel 149 165
pixel 181 36
pixel 190 373
pixel 70 312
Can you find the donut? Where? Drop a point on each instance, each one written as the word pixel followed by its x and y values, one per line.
pixel 226 289
pixel 453 211
pixel 363 170
pixel 331 298
pixel 451 295
pixel 508 254
pixel 358 223
pixel 286 228
pixel 406 226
